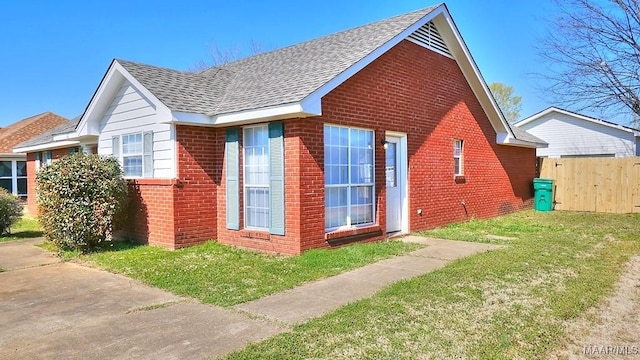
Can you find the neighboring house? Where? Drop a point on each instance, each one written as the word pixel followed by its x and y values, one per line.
pixel 13 166
pixel 384 128
pixel 46 148
pixel 571 134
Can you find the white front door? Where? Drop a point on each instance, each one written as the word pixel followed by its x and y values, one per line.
pixel 393 171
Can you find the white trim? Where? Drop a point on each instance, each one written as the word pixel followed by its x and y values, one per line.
pixel 102 98
pixel 404 177
pixel 48 146
pixel 577 116
pixel 353 69
pixel 174 144
pixel 460 157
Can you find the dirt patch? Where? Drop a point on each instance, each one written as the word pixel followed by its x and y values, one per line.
pixel 611 330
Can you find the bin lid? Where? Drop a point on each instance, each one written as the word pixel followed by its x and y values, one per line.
pixel 542 180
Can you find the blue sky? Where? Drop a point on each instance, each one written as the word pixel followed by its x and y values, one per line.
pixel 53 54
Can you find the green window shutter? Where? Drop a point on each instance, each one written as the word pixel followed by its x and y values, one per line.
pixel 276 179
pixel 232 156
pixel 147 153
pixel 115 147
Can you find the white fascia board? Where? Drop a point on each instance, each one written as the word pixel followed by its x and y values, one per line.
pixel 306 108
pixel 65 136
pixel 576 116
pixel 48 146
pixel 285 111
pixel 353 69
pixel 103 97
pixel 504 138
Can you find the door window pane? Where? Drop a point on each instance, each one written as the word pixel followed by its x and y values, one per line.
pixel 391 166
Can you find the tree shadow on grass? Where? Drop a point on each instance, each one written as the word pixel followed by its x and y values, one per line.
pixel 20 235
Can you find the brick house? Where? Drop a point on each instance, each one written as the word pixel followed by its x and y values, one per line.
pixel 13 169
pixel 384 128
pixel 46 148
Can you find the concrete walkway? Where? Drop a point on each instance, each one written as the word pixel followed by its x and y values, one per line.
pixel 314 299
pixel 53 310
pixel 50 309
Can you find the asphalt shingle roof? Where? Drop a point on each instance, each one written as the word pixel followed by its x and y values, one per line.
pixel 26 129
pixel 47 137
pixel 278 77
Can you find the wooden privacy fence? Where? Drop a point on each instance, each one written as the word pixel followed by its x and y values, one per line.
pixel 595 184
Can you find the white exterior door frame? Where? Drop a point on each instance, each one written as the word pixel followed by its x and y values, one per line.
pixel 400 141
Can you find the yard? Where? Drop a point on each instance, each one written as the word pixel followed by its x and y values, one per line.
pixel 531 299
pixel 27 227
pixel 517 302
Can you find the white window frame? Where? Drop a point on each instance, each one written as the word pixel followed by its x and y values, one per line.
pixel 458 155
pixel 14 177
pixel 141 154
pixel 246 186
pixel 42 160
pixel 350 185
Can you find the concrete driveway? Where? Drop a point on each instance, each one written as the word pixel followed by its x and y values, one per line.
pixel 55 310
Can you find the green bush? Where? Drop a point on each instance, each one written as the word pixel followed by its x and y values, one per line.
pixel 10 211
pixel 81 199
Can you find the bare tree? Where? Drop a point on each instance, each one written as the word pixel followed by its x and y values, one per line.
pixel 593 53
pixel 219 56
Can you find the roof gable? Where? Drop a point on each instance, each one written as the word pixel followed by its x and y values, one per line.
pixel 534 119
pixel 290 82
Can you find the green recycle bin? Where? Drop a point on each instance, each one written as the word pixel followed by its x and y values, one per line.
pixel 543 189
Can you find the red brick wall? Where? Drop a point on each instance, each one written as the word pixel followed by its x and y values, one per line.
pixel 32 203
pixel 290 242
pixel 151 214
pixel 410 90
pixel 195 194
pixel 416 91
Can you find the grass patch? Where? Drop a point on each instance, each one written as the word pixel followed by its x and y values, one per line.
pixel 27 227
pixel 504 304
pixel 223 275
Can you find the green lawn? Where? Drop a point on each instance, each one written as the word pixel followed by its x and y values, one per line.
pixel 226 276
pixel 25 228
pixel 504 304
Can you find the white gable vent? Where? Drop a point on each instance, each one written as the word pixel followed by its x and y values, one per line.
pixel 429 37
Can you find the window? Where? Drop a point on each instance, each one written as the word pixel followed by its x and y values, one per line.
pixel 6 175
pixel 349 176
pixel 13 177
pixel 263 185
pixel 457 157
pixel 132 155
pixel 43 158
pixel 256 177
pixel 21 178
pixel 135 152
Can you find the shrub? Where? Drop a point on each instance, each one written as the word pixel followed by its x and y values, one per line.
pixel 10 211
pixel 81 201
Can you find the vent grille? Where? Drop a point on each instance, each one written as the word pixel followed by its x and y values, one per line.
pixel 429 37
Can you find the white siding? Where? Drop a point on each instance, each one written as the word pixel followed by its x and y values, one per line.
pixel 131 112
pixel 568 135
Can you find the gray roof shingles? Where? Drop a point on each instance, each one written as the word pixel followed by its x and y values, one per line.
pixel 275 78
pixel 47 137
pixel 283 76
